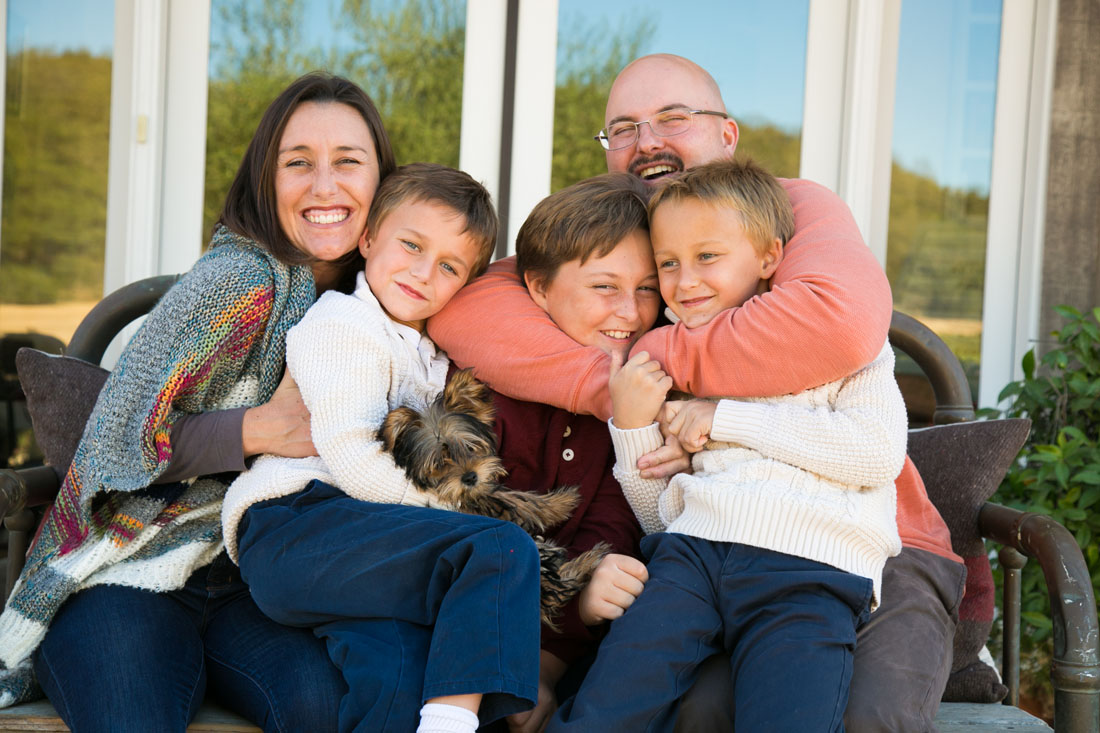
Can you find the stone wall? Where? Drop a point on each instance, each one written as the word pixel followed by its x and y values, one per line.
pixel 1071 253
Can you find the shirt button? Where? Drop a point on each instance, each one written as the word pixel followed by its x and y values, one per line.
pixel 568 431
pixel 567 454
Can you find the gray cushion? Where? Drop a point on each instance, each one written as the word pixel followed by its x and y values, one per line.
pixel 61 392
pixel 962 465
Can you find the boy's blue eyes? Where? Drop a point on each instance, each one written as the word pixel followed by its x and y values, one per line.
pixel 414 247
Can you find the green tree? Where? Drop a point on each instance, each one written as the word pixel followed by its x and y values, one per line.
pixel 56 140
pixel 407 55
pixel 771 147
pixel 587 64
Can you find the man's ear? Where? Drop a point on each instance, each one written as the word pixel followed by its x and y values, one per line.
pixel 769 261
pixel 536 285
pixel 731 133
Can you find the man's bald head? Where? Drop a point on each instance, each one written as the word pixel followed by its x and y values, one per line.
pixel 657 83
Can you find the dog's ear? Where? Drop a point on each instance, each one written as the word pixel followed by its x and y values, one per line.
pixel 395 424
pixel 465 394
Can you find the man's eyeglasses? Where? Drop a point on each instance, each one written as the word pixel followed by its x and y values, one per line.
pixel 665 124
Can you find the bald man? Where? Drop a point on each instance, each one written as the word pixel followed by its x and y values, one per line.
pixel 827 316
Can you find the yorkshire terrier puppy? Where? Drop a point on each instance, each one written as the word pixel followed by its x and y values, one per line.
pixel 449 451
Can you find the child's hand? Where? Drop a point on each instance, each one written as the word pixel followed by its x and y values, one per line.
pixel 690 421
pixel 638 390
pixel 669 459
pixel 615 583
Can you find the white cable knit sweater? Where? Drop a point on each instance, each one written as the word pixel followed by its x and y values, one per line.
pixel 809 474
pixel 353 365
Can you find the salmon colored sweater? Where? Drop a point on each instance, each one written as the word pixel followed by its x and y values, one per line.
pixel 826 316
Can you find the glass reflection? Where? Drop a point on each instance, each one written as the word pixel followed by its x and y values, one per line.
pixel 53 216
pixel 407 54
pixel 942 150
pixel 755 51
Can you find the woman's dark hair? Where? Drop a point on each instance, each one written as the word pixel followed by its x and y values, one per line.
pixel 250 206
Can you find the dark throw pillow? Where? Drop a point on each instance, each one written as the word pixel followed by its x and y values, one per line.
pixel 61 392
pixel 962 465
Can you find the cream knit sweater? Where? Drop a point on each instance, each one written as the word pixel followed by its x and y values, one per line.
pixel 353 365
pixel 809 474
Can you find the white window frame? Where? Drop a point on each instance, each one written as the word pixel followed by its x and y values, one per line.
pixel 851 70
pixel 1017 196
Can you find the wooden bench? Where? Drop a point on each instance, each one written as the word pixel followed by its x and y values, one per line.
pixel 1076 667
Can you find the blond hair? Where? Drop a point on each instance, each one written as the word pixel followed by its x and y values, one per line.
pixel 743 186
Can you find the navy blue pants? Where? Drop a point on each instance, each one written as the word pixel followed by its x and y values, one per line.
pixel 789 625
pixel 413 603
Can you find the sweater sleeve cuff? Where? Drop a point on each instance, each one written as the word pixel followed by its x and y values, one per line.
pixel 738 422
pixel 206 443
pixel 630 445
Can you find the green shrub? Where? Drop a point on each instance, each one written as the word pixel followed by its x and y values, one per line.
pixel 1058 470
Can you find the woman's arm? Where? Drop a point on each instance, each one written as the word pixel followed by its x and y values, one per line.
pixel 219 441
pixel 202 349
pixel 826 316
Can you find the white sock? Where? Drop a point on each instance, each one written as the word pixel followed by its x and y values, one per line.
pixel 440 718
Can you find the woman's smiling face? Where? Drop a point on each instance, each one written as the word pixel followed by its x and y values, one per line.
pixel 608 302
pixel 325 179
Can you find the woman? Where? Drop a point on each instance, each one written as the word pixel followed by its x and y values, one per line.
pixel 128 607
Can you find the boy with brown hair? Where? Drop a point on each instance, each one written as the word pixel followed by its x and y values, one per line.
pixel 585 257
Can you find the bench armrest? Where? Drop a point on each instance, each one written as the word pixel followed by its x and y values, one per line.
pixel 1075 672
pixel 26 487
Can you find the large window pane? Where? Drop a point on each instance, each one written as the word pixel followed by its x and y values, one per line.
pixel 407 54
pixel 942 152
pixel 755 51
pixel 54 211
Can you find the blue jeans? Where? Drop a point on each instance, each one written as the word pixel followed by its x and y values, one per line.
pixel 413 603
pixel 788 624
pixel 119 659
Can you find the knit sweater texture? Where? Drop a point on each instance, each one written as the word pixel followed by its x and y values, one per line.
pixel 352 364
pixel 215 341
pixel 826 316
pixel 809 474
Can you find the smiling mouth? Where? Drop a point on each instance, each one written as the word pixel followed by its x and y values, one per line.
pixel 694 302
pixel 414 294
pixel 653 172
pixel 316 216
pixel 618 335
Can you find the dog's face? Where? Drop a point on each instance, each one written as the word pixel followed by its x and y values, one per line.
pixel 450 450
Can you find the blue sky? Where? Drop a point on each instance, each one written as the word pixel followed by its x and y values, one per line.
pixel 61 24
pixel 943 121
pixel 736 40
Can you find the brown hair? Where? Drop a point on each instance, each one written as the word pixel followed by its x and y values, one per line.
pixel 452 188
pixel 587 219
pixel 251 208
pixel 744 186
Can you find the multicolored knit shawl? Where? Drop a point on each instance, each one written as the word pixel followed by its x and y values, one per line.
pixel 216 340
